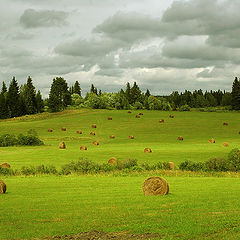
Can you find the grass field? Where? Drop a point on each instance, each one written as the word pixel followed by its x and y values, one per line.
pixel 195 208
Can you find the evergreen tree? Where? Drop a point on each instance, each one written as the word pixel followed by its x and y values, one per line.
pixel 4 113
pixel 13 98
pixel 147 94
pixel 236 94
pixel 93 89
pixel 77 88
pixel 4 88
pixel 30 97
pixel 59 95
pixel 39 102
pixel 136 95
pixel 128 92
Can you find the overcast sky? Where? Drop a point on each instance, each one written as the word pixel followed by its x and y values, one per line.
pixel 164 45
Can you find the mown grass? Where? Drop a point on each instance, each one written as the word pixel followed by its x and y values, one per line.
pixel 196 208
pixel 195 127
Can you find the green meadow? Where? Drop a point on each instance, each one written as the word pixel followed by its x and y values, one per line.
pixel 197 207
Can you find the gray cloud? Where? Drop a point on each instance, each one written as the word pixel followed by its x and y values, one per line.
pixel 43 18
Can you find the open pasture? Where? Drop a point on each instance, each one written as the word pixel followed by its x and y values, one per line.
pixel 196 128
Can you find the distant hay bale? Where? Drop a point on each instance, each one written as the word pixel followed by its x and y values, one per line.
pixel 225 124
pixel 180 138
pixel 129 112
pixel 140 114
pixel 147 150
pixel 50 130
pixel 62 145
pixel 225 144
pixel 171 116
pixel 172 165
pixel 131 137
pixel 112 136
pixel 109 118
pixel 64 129
pixel 5 165
pixel 212 140
pixel 161 120
pixel 112 161
pixel 155 186
pixel 79 131
pixel 95 143
pixel 3 187
pixel 94 126
pixel 83 148
pixel 92 133
pixel 137 116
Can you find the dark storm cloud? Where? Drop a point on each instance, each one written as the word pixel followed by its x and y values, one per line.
pixel 43 18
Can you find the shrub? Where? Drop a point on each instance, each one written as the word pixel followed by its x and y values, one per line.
pixel 216 164
pixel 29 140
pixel 234 160
pixel 138 105
pixel 184 108
pixel 191 166
pixel 8 140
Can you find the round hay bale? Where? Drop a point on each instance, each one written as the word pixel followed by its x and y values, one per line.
pixel 155 186
pixel 109 118
pixel 180 138
pixel 5 165
pixel 50 130
pixel 92 133
pixel 112 136
pixel 83 148
pixel 129 112
pixel 94 126
pixel 172 165
pixel 79 131
pixel 3 187
pixel 95 143
pixel 171 116
pixel 147 150
pixel 212 140
pixel 225 144
pixel 137 116
pixel 161 120
pixel 62 145
pixel 63 129
pixel 131 137
pixel 225 124
pixel 140 114
pixel 112 161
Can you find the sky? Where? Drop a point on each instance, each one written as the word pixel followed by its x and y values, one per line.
pixel 163 45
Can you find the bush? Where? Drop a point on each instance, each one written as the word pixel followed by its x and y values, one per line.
pixel 184 108
pixel 138 105
pixel 29 140
pixel 8 140
pixel 191 166
pixel 234 160
pixel 216 164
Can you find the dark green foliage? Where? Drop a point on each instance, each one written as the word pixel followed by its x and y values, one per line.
pixel 184 108
pixel 4 88
pixel 32 170
pixel 191 166
pixel 4 111
pixel 234 160
pixel 93 89
pixel 30 97
pixel 39 102
pixel 8 140
pixel 236 94
pixel 76 88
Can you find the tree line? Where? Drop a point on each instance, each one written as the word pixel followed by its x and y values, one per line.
pixel 17 101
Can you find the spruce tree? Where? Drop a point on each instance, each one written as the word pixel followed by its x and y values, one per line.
pixel 4 113
pixel 39 102
pixel 4 88
pixel 128 92
pixel 13 98
pixel 147 94
pixel 135 94
pixel 30 97
pixel 236 94
pixel 77 88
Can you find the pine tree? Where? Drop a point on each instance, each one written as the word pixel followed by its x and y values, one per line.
pixel 147 94
pixel 13 98
pixel 128 92
pixel 4 113
pixel 39 102
pixel 77 88
pixel 4 88
pixel 30 98
pixel 135 94
pixel 236 94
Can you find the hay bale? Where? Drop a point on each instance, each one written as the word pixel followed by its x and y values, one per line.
pixel 5 165
pixel 94 126
pixel 83 148
pixel 212 140
pixel 161 120
pixel 92 133
pixel 3 187
pixel 129 112
pixel 131 137
pixel 171 116
pixel 63 129
pixel 112 136
pixel 172 165
pixel 140 114
pixel 225 144
pixel 95 143
pixel 62 145
pixel 50 130
pixel 109 118
pixel 155 186
pixel 112 161
pixel 180 138
pixel 137 116
pixel 225 124
pixel 79 131
pixel 147 150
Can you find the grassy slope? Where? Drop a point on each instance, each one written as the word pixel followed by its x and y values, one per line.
pixel 196 208
pixel 196 128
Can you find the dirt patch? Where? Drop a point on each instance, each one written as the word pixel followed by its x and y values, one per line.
pixel 99 235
